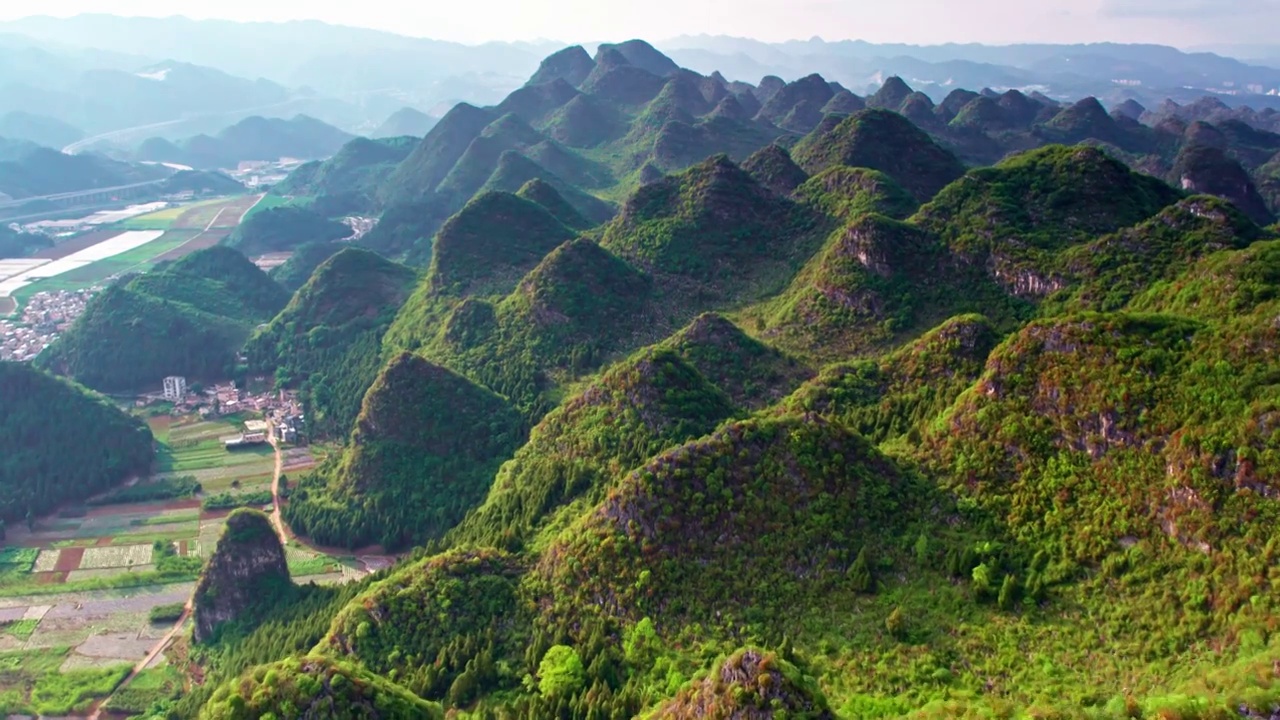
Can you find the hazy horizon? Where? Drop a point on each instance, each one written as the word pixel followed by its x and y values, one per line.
pixel 1180 23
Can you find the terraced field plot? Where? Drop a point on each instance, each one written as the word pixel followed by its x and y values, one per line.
pixel 196 445
pixel 76 593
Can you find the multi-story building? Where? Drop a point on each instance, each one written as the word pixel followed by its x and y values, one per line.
pixel 175 388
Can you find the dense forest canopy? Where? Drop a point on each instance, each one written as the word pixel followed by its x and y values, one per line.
pixel 61 443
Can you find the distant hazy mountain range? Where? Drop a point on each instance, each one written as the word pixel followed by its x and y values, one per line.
pixel 103 73
pixel 254 138
pixel 1108 71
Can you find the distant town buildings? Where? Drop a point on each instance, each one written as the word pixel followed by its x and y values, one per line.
pixel 260 174
pixel 45 316
pixel 175 388
pixel 289 428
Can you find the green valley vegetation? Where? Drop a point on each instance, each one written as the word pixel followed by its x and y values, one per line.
pixel 281 229
pixel 318 687
pixel 189 317
pixel 62 443
pixel 349 180
pixel 326 340
pixel 16 244
pixel 302 263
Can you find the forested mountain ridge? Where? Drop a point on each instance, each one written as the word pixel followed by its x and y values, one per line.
pixel 789 434
pixel 189 317
pixel 95 445
pixel 252 139
pixel 596 128
pixel 326 340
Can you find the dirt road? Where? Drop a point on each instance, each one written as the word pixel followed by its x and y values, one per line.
pixel 276 518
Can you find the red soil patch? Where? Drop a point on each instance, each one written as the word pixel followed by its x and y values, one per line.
pixel 69 559
pixel 153 508
pixel 215 514
pixel 182 548
pixel 199 242
pixel 103 542
pixel 160 423
pixel 50 578
pixel 76 244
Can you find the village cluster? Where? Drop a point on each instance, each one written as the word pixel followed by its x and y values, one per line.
pixel 281 409
pixel 44 316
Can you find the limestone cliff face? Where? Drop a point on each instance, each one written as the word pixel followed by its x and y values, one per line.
pixel 247 571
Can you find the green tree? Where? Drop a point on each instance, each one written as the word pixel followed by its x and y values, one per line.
pixel 860 573
pixel 983 580
pixel 1008 592
pixel 896 623
pixel 640 644
pixel 561 672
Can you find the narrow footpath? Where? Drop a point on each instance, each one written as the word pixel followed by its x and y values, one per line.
pixel 144 662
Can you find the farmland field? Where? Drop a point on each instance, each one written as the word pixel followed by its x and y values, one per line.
pixel 163 219
pixel 76 244
pixel 223 214
pixel 191 228
pixel 115 245
pixel 77 591
pixel 196 445
pixel 137 259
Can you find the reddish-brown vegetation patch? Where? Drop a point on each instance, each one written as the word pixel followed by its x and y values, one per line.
pixel 50 578
pixel 76 244
pixel 68 560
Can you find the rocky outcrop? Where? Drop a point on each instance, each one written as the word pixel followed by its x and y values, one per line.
pixel 1208 170
pixel 750 685
pixel 247 571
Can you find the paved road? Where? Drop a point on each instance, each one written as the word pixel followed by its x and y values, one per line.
pixel 80 193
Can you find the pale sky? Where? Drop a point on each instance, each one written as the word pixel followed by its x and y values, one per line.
pixel 1181 23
